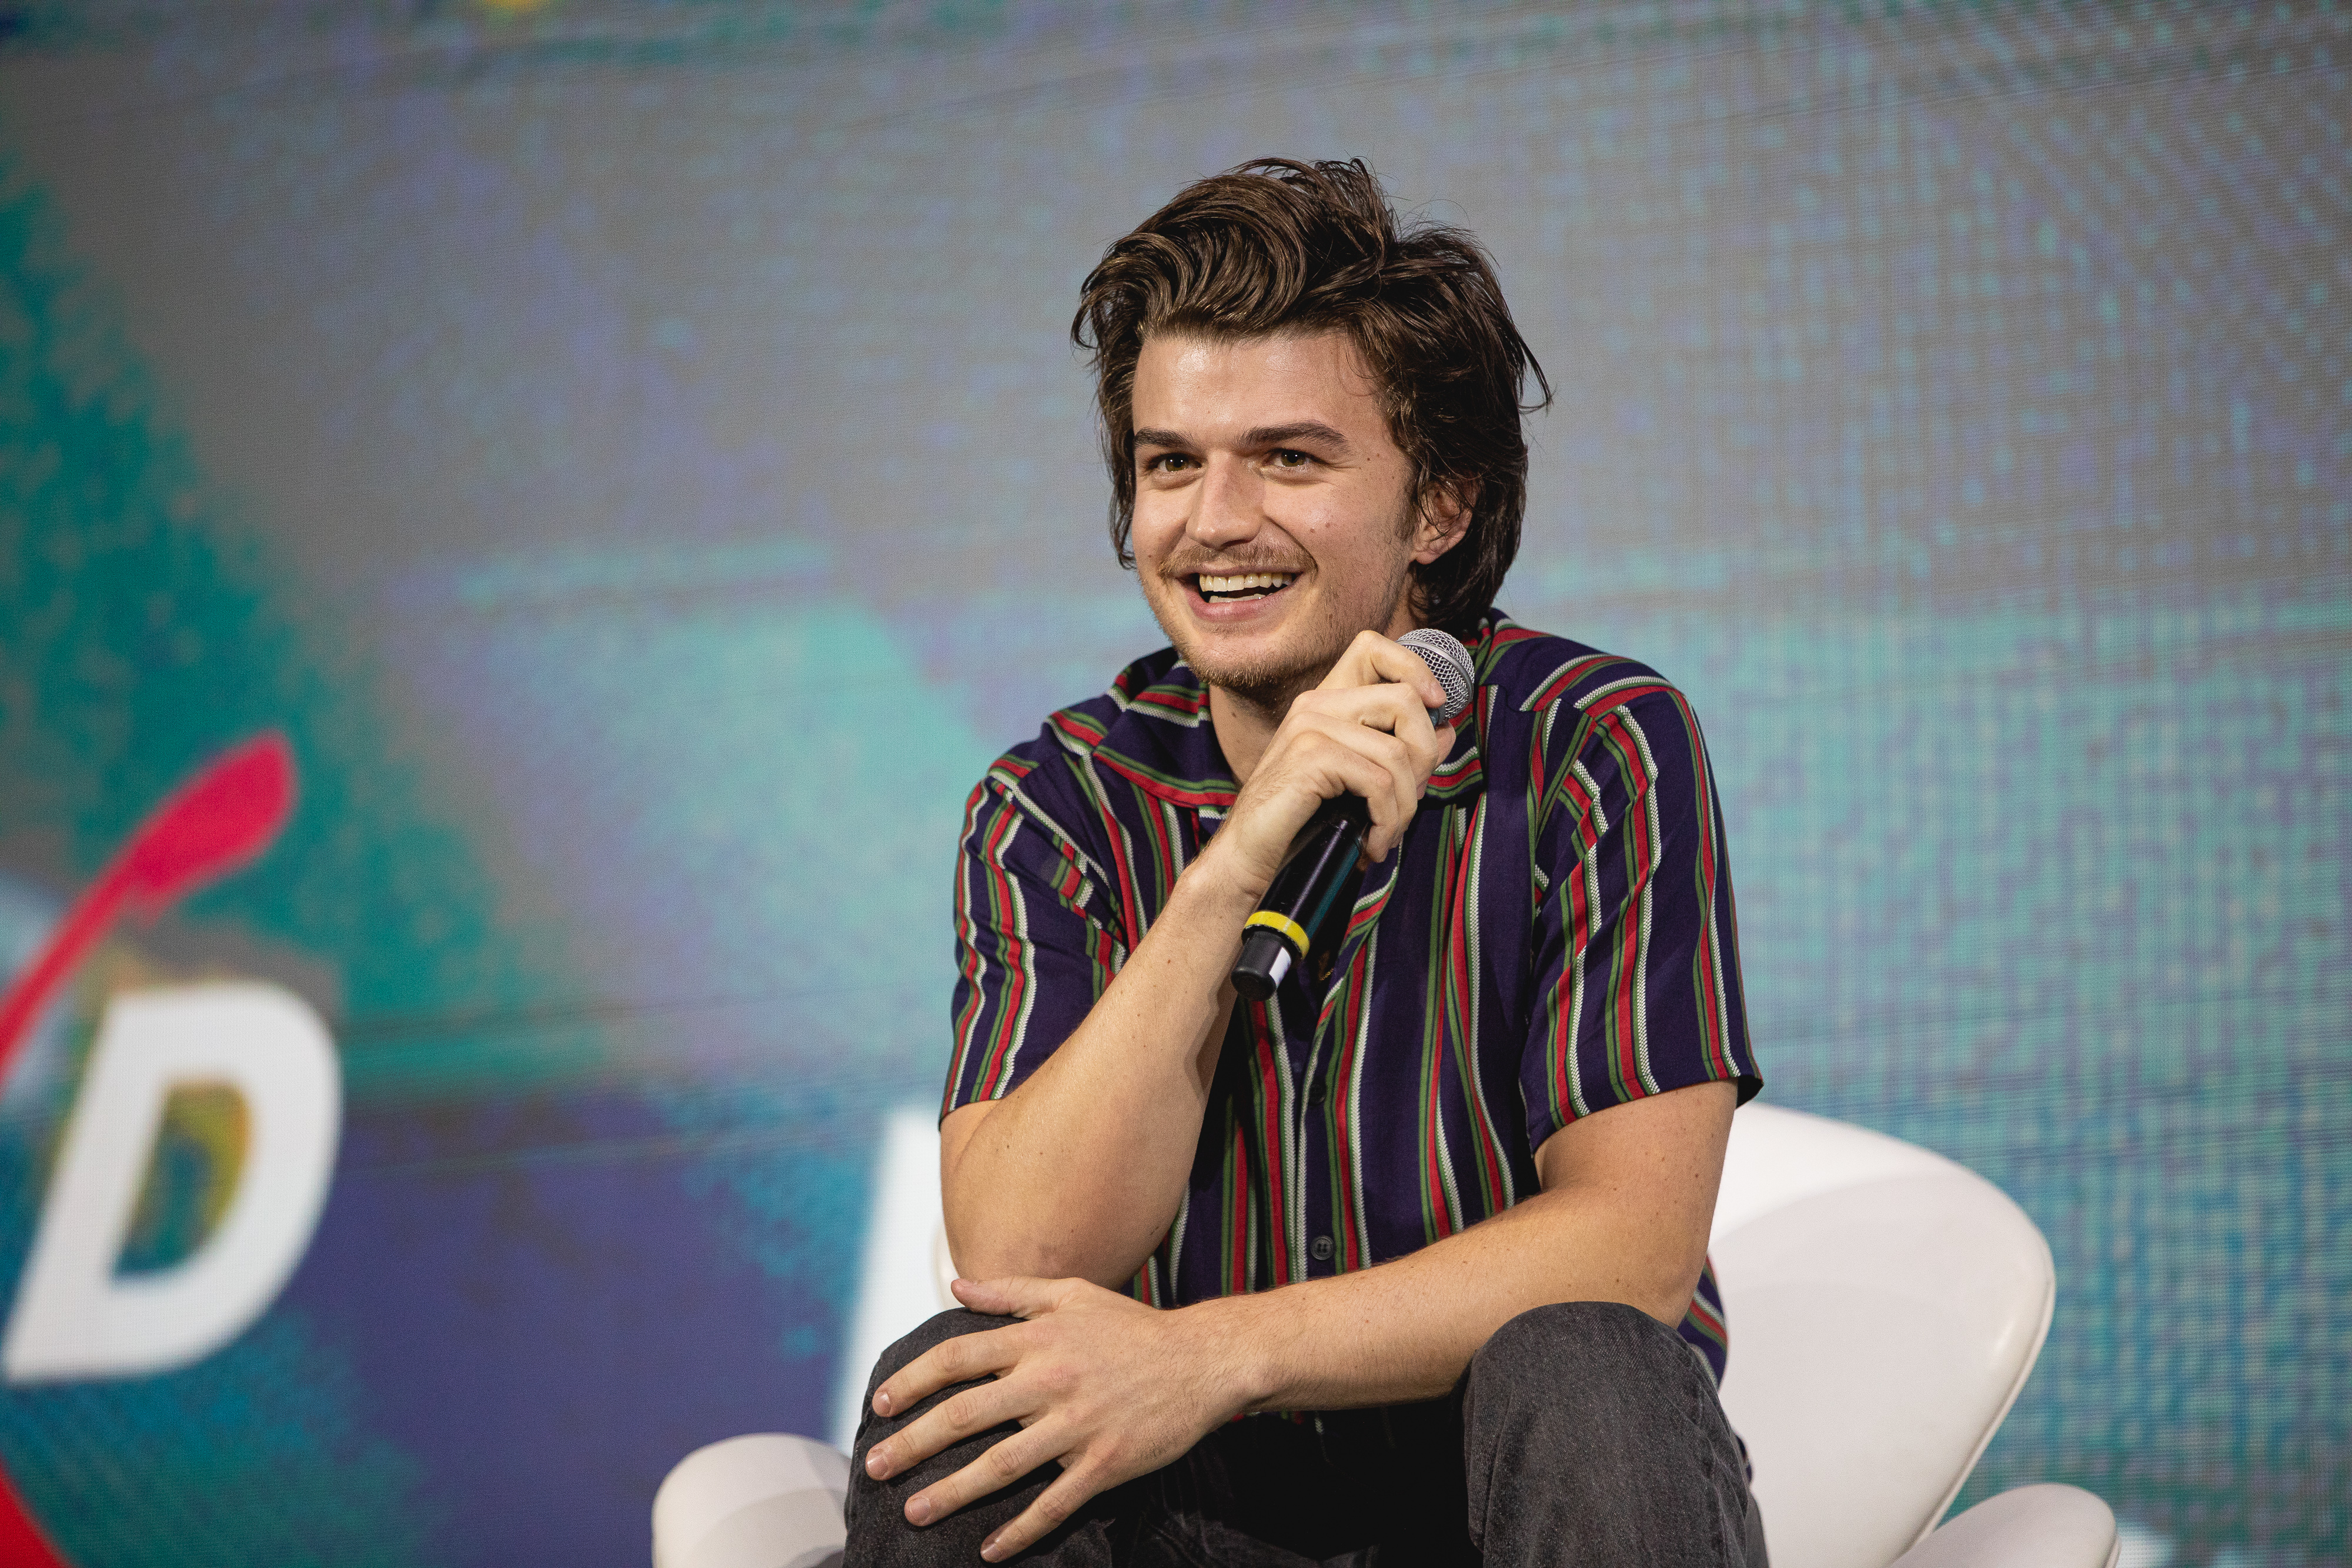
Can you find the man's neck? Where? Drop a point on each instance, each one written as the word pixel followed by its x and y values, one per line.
pixel 1245 726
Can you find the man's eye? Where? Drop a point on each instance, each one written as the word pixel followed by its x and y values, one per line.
pixel 1285 457
pixel 1166 462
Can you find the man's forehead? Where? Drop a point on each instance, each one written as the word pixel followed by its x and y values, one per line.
pixel 1215 387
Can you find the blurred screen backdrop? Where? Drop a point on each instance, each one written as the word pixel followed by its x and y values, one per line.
pixel 632 454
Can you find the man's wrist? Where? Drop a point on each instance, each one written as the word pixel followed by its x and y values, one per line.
pixel 1236 1350
pixel 1219 881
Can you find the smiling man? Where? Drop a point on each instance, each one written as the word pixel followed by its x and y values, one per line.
pixel 1407 1263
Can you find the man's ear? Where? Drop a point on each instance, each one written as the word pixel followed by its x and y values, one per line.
pixel 1445 518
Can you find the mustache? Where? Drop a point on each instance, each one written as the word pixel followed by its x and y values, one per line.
pixel 1193 563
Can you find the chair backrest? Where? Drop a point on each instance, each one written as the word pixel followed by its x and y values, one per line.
pixel 1886 1306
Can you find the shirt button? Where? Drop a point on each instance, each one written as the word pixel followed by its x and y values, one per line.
pixel 1322 1249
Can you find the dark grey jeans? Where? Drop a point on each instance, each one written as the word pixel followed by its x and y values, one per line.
pixel 1584 1434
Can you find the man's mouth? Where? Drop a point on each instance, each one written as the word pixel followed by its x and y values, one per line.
pixel 1226 588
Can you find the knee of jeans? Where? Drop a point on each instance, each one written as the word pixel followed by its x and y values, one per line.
pixel 1567 1346
pixel 934 1331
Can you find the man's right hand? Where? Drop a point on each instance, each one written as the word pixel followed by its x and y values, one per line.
pixel 1365 731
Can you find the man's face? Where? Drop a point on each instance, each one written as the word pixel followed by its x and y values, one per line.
pixel 1273 510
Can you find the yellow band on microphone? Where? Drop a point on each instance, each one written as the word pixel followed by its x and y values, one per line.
pixel 1283 926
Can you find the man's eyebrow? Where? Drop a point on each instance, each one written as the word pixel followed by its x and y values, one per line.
pixel 1263 435
pixel 1303 430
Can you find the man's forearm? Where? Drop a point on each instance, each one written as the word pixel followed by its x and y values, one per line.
pixel 1626 1222
pixel 1404 1331
pixel 1079 1173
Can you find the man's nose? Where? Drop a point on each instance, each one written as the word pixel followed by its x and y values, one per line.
pixel 1227 507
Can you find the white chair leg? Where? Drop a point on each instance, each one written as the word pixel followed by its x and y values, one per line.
pixel 2045 1526
pixel 765 1500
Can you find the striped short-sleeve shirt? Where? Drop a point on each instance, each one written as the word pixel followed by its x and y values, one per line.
pixel 1555 935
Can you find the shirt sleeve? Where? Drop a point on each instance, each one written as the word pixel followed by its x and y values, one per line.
pixel 1034 950
pixel 1637 960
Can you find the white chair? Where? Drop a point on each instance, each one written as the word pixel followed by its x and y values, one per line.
pixel 1885 1304
pixel 1885 1307
pixel 765 1501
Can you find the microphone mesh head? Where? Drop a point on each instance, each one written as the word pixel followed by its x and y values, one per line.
pixel 1449 661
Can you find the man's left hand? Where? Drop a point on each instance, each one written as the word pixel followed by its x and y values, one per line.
pixel 1108 1386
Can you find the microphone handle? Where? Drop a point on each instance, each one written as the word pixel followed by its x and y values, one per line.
pixel 1279 935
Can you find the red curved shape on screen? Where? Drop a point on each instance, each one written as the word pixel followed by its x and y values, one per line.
pixel 222 818
pixel 22 1544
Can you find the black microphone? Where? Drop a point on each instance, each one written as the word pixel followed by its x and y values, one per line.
pixel 1294 913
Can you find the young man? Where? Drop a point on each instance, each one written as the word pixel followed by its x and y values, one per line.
pixel 1406 1264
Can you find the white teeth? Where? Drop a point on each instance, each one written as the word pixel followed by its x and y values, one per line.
pixel 1245 582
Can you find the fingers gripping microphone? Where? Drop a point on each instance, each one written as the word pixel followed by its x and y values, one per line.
pixel 1296 910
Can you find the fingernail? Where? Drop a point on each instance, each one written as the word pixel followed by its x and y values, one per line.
pixel 875 1465
pixel 881 1402
pixel 988 1549
pixel 920 1510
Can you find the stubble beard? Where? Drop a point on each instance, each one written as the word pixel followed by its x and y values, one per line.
pixel 1269 682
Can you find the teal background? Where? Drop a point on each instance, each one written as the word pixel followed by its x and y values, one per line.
pixel 633 450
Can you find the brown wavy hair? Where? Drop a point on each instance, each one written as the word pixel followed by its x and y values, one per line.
pixel 1277 246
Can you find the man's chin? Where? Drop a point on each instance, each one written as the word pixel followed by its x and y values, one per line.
pixel 1257 686
pixel 1265 679
pixel 1287 658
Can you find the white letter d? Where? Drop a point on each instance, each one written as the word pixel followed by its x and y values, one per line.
pixel 74 1318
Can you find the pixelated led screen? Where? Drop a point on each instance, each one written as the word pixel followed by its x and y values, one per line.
pixel 632 455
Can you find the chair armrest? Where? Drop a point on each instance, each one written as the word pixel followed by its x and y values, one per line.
pixel 765 1500
pixel 2045 1526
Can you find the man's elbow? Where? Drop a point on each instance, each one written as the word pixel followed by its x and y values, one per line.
pixel 996 1257
pixel 1666 1307
pixel 1667 1295
pixel 1005 1256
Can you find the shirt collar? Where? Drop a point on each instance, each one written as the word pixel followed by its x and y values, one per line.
pixel 1162 740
